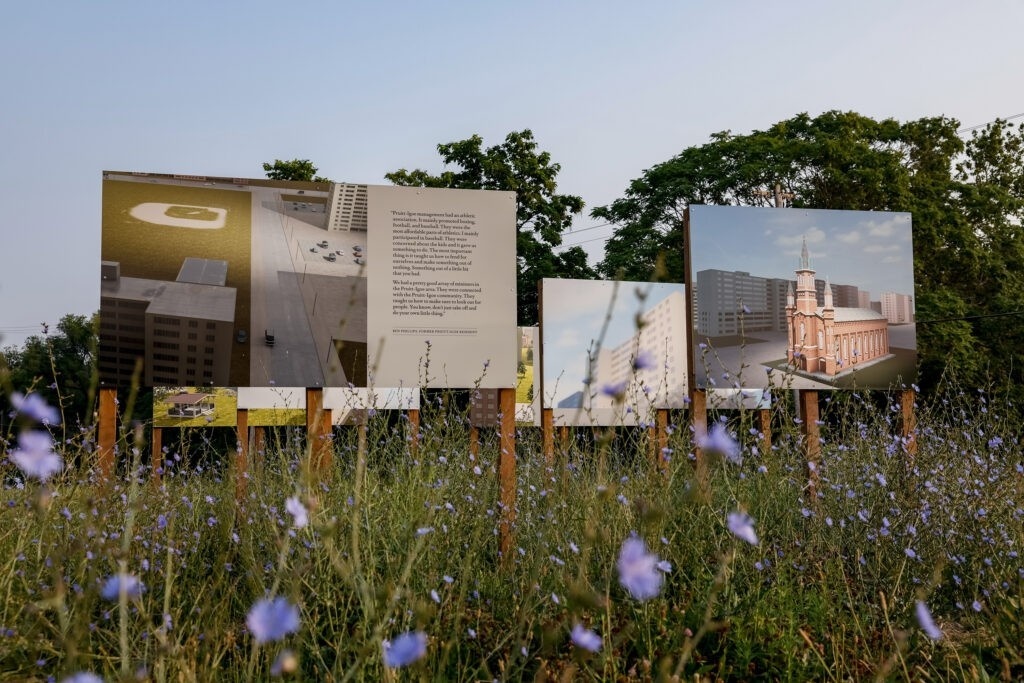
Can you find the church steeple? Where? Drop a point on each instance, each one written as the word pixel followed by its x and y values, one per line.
pixel 805 258
pixel 828 294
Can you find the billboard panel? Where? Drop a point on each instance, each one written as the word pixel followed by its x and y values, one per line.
pixel 195 407
pixel 442 299
pixel 802 299
pixel 612 351
pixel 211 281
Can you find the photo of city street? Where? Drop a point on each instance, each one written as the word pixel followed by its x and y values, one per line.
pixel 815 299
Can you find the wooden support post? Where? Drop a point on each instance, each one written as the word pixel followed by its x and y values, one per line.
pixel 764 416
pixel 241 464
pixel 107 433
pixel 259 440
pixel 809 414
pixel 660 439
pixel 413 436
pixel 699 406
pixel 507 469
pixel 909 422
pixel 361 439
pixel 318 429
pixel 474 441
pixel 547 429
pixel 563 440
pixel 156 453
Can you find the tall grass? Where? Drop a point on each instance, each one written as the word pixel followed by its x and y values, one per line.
pixel 406 540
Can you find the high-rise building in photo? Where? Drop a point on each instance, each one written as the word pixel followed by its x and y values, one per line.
pixel 182 330
pixel 898 308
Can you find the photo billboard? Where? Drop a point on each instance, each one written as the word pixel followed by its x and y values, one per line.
pixel 802 299
pixel 210 281
pixel 612 351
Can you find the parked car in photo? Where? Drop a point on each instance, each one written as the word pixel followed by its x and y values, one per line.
pixel 268 337
pixel 322 244
pixel 242 336
pixel 332 257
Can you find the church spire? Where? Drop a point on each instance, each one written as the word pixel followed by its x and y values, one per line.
pixel 805 258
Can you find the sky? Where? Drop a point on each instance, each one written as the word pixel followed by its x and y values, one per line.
pixel 609 89
pixel 869 249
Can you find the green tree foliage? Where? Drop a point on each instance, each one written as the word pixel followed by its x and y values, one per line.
pixel 60 365
pixel 296 169
pixel 965 197
pixel 542 215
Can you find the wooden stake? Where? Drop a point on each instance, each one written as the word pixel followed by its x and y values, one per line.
pixel 909 422
pixel 699 406
pixel 507 469
pixel 658 435
pixel 241 464
pixel 810 414
pixel 318 429
pixel 764 416
pixel 547 428
pixel 474 441
pixel 156 459
pixel 107 436
pixel 413 435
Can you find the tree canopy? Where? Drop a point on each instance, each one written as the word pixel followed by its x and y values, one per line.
pixel 542 214
pixel 296 169
pixel 965 197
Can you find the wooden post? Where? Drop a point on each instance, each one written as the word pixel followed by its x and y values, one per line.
pixel 259 440
pixel 414 432
pixel 699 406
pixel 507 469
pixel 563 440
pixel 547 429
pixel 318 429
pixel 241 464
pixel 660 439
pixel 156 450
pixel 764 416
pixel 474 441
pixel 909 422
pixel 107 436
pixel 809 414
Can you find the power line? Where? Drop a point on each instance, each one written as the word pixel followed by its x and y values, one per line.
pixel 982 125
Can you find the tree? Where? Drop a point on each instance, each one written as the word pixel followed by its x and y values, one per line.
pixel 60 365
pixel 965 199
pixel 296 169
pixel 542 215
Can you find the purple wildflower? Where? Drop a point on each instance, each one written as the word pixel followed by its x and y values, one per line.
pixel 113 586
pixel 82 677
pixel 742 527
pixel 35 407
pixel 298 512
pixel 34 455
pixel 404 649
pixel 269 620
pixel 924 619
pixel 614 390
pixel 638 570
pixel 644 360
pixel 719 440
pixel 585 638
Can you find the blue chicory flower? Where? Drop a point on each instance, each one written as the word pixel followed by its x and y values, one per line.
pixel 742 527
pixel 35 457
pixel 585 638
pixel 35 407
pixel 924 619
pixel 272 619
pixel 638 570
pixel 404 649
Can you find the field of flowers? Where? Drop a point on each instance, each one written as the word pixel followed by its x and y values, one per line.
pixel 890 567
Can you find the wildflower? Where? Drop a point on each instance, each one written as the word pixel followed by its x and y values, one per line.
pixel 424 530
pixel 615 390
pixel 976 606
pixel 719 440
pixel 638 570
pixel 34 455
pixel 742 527
pixel 644 360
pixel 585 638
pixel 927 624
pixel 435 597
pixel 129 583
pixel 270 620
pixel 405 649
pixel 82 677
pixel 285 663
pixel 298 512
pixel 35 407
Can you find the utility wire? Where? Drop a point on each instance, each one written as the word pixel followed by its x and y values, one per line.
pixel 982 125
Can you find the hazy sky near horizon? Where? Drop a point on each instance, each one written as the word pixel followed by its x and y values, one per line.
pixel 361 89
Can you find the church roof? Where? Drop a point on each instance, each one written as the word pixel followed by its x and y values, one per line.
pixel 847 315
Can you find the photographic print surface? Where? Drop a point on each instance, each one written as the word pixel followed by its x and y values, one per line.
pixel 195 407
pixel 612 351
pixel 803 299
pixel 212 281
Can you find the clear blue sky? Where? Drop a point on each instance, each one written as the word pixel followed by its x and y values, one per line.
pixel 609 89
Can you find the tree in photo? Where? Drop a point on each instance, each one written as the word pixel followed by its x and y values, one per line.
pixel 296 169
